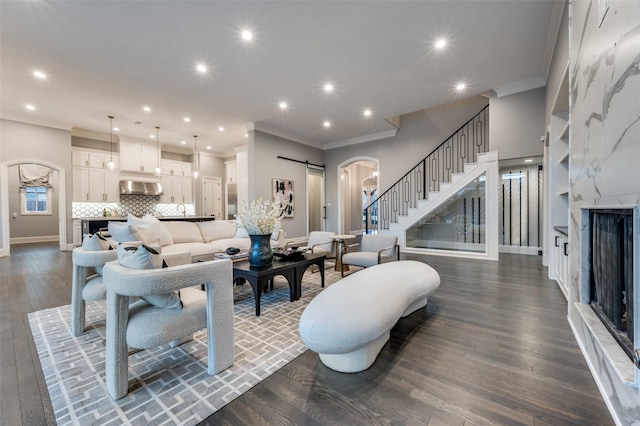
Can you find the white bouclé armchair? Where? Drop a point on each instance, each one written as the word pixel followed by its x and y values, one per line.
pixel 145 326
pixel 87 285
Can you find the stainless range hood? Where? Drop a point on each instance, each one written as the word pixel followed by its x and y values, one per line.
pixel 131 187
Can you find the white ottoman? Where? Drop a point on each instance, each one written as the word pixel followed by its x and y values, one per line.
pixel 349 322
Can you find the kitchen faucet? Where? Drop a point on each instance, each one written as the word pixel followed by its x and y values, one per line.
pixel 184 209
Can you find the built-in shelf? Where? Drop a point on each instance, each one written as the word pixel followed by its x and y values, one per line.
pixel 564 134
pixel 557 177
pixel 561 102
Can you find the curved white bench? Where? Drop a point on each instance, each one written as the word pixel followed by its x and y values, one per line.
pixel 349 322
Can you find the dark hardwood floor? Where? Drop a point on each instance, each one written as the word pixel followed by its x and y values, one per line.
pixel 493 347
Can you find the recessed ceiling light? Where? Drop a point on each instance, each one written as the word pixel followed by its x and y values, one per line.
pixel 116 129
pixel 246 35
pixel 152 136
pixel 246 135
pixel 201 68
pixel 461 86
pixel 441 43
pixel 328 87
pixel 208 146
pixel 327 124
pixel 183 142
pixel 30 107
pixel 187 119
pixel 146 108
pixel 221 129
pixel 39 74
pixel 367 112
pixel 283 105
pixel 528 160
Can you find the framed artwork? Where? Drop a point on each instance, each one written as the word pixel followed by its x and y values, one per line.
pixel 283 196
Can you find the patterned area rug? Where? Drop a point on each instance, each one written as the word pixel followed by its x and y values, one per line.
pixel 168 385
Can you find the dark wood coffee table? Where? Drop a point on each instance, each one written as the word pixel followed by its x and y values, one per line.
pixel 259 278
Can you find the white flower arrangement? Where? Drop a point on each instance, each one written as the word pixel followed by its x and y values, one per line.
pixel 259 218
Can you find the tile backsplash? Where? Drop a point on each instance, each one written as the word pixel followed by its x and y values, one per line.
pixel 138 205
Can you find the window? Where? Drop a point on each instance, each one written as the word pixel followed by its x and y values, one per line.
pixel 36 200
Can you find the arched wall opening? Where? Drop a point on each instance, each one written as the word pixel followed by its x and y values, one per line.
pixel 5 214
pixel 351 174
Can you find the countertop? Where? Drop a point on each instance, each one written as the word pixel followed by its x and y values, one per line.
pixel 121 218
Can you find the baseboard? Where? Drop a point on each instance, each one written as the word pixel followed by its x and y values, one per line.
pixel 531 251
pixel 29 240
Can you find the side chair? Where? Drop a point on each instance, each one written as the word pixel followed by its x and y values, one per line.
pixel 374 249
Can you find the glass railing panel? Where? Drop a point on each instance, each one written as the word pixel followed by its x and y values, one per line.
pixel 458 224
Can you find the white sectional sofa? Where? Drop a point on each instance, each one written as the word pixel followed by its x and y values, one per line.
pixel 201 239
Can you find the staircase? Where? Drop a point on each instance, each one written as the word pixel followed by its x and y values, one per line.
pixel 439 179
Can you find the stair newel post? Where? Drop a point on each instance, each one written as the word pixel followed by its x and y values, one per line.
pixel 366 220
pixel 424 178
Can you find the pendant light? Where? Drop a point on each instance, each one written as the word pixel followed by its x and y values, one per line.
pixel 110 164
pixel 157 171
pixel 196 160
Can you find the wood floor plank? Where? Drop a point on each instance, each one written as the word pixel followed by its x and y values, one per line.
pixel 492 347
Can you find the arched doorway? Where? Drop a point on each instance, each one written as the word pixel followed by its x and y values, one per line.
pixel 352 173
pixel 4 203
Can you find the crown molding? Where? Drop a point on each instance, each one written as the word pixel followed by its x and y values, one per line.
pixel 520 86
pixel 362 139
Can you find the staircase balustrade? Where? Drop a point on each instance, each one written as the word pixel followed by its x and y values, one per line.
pixel 461 148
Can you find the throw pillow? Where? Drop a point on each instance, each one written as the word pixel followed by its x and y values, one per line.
pixel 242 233
pixel 96 242
pixel 120 232
pixel 145 257
pixel 152 233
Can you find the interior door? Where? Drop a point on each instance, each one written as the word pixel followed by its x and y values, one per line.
pixel 212 197
pixel 315 199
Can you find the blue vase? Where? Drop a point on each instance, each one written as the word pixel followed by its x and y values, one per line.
pixel 260 253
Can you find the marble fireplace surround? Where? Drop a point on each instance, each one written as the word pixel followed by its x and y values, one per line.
pixel 602 341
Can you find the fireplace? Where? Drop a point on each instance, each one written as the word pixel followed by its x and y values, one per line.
pixel 611 275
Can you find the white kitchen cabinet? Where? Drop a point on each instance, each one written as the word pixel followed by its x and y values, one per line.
pixel 94 181
pixel 77 232
pixel 231 171
pixel 176 168
pixel 80 158
pixel 137 157
pixel 177 184
pixel 80 183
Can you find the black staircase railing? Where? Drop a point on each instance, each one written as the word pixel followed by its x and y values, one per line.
pixel 462 147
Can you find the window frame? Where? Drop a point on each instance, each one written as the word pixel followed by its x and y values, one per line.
pixel 23 202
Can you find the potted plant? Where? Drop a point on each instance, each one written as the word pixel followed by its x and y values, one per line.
pixel 260 220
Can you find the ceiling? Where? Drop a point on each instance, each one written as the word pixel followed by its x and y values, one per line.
pixel 112 58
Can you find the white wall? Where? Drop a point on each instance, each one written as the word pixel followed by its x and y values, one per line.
pixel 516 123
pixel 264 165
pixel 22 141
pixel 23 226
